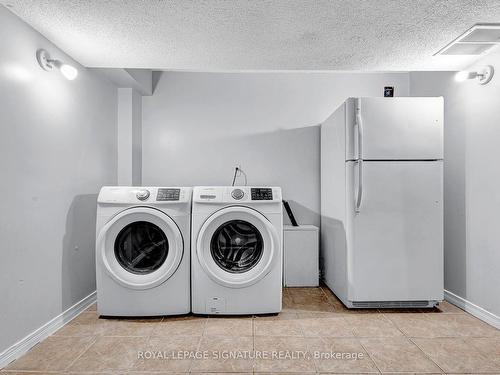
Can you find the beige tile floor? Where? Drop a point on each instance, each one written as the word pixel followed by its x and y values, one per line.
pixel 313 325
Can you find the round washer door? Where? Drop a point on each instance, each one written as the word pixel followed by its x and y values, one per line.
pixel 141 247
pixel 237 246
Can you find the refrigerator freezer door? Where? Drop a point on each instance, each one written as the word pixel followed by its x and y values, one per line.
pixel 396 129
pixel 396 251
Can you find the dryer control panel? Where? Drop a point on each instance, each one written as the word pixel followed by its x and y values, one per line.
pixel 144 195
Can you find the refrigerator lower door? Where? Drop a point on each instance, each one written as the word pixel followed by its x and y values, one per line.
pixel 396 244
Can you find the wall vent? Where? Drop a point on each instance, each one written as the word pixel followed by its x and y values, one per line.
pixel 478 40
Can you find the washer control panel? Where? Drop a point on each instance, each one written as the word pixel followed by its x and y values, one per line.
pixel 143 194
pixel 262 194
pixel 168 194
pixel 241 195
pixel 238 194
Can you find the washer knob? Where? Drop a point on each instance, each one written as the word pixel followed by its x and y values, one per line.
pixel 142 195
pixel 237 194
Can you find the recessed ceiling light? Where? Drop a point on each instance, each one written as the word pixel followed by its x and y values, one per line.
pixel 478 40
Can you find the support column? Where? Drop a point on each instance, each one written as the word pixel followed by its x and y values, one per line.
pixel 129 137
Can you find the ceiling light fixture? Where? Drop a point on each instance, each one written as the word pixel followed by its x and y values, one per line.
pixel 483 74
pixel 46 63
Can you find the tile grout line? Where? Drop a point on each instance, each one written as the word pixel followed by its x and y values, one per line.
pixel 394 324
pixel 316 366
pixel 483 356
pixel 425 354
pixel 82 353
pixel 198 347
pixel 405 335
pixel 254 365
pixel 302 331
pixel 369 356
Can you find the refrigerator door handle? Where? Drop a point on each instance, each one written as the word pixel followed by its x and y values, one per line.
pixel 359 195
pixel 359 126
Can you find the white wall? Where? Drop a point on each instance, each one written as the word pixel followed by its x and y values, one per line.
pixel 57 147
pixel 198 126
pixel 472 182
pixel 129 137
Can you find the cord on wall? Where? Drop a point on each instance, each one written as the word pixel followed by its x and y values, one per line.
pixel 234 177
pixel 237 170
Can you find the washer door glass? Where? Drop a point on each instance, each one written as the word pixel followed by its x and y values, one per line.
pixel 141 247
pixel 237 246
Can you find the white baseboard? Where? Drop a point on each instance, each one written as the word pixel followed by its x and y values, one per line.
pixel 25 344
pixel 472 309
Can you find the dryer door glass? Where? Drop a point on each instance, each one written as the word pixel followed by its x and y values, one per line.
pixel 236 246
pixel 141 247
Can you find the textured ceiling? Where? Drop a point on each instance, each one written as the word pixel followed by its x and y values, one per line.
pixel 260 34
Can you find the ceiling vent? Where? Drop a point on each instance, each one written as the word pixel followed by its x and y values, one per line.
pixel 478 40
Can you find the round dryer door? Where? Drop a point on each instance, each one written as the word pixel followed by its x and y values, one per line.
pixel 237 246
pixel 140 247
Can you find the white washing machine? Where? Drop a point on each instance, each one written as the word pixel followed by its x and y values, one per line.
pixel 237 236
pixel 143 251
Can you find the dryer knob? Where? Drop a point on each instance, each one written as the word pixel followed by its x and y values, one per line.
pixel 142 195
pixel 237 194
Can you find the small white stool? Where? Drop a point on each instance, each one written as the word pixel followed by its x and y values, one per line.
pixel 301 255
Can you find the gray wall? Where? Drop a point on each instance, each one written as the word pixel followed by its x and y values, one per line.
pixel 129 117
pixel 472 182
pixel 198 126
pixel 58 146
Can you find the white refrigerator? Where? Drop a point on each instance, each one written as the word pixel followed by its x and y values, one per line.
pixel 382 202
